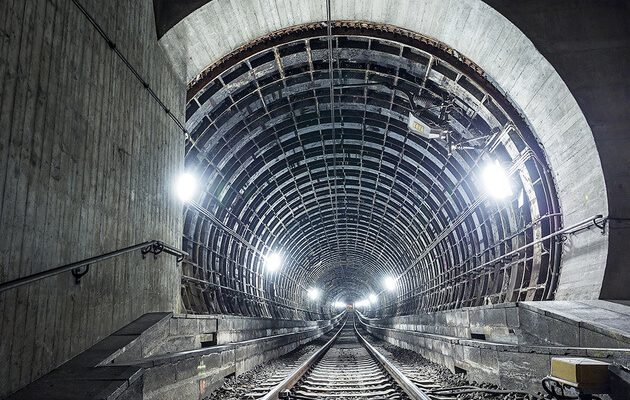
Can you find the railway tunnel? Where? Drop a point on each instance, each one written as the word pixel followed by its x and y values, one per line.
pixel 314 199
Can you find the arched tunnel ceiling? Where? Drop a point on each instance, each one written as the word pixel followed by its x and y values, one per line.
pixel 369 200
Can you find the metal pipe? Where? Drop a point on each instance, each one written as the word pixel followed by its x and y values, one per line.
pixel 131 68
pixel 163 247
pixel 460 219
pixel 205 213
pixel 260 299
pixel 567 230
pixel 557 251
pixel 331 76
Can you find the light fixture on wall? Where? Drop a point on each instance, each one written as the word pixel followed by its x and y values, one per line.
pixel 496 181
pixel 313 293
pixel 186 186
pixel 273 262
pixel 390 283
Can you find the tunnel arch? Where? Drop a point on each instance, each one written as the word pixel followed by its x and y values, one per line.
pixel 526 80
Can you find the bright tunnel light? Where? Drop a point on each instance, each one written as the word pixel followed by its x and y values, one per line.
pixel 340 304
pixel 313 293
pixel 390 283
pixel 496 181
pixel 372 298
pixel 273 262
pixel 362 303
pixel 186 186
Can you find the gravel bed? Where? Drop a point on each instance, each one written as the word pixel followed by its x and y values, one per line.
pixel 442 375
pixel 237 387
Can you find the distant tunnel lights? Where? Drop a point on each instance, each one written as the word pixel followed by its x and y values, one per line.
pixel 273 262
pixel 313 293
pixel 390 283
pixel 186 187
pixel 496 181
pixel 362 303
pixel 340 304
pixel 371 299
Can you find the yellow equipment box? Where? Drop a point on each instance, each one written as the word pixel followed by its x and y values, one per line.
pixel 580 372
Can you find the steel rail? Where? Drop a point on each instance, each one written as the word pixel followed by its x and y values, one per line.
pixel 405 383
pixel 295 376
pixel 152 246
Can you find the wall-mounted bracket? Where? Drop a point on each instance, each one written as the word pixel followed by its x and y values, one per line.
pixel 155 248
pixel 79 272
pixel 601 224
pixel 158 247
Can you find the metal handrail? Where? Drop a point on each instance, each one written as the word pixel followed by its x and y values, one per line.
pixel 579 226
pixel 597 220
pixel 152 246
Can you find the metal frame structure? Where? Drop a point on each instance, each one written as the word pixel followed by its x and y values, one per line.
pixel 367 199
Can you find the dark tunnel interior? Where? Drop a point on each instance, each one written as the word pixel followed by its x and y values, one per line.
pixel 368 200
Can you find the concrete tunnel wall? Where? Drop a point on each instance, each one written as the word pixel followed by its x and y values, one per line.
pixel 86 164
pixel 588 44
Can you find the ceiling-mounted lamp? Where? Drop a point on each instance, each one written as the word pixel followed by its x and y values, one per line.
pixel 425 129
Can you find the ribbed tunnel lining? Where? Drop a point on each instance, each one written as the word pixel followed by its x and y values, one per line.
pixel 262 119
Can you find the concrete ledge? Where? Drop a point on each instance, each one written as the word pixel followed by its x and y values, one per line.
pixel 195 373
pixel 596 323
pixel 83 377
pixel 232 329
pixel 591 323
pixel 520 363
pixel 132 363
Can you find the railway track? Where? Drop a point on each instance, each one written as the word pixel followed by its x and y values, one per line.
pixel 346 367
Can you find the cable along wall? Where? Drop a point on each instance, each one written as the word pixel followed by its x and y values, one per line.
pixel 405 206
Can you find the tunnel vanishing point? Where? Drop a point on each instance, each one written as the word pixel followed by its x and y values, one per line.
pixel 190 190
